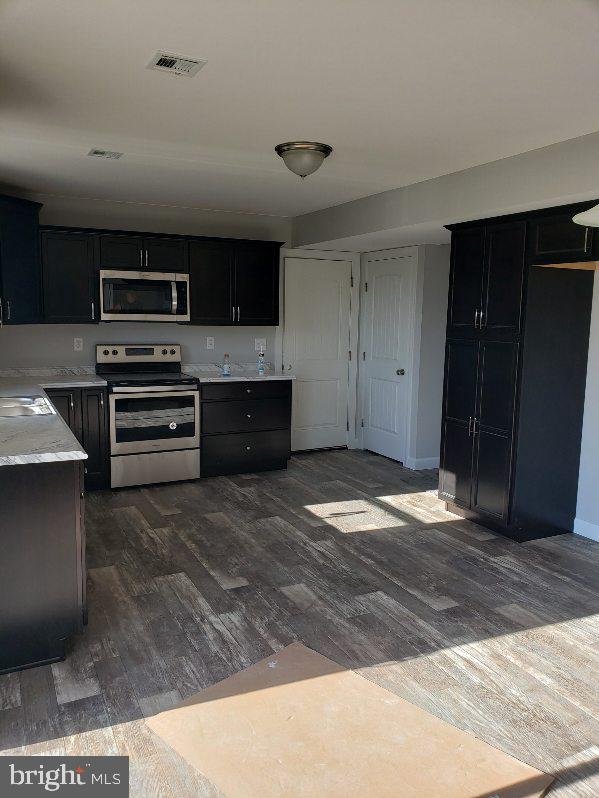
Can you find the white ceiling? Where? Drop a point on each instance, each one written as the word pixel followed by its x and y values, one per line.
pixel 404 90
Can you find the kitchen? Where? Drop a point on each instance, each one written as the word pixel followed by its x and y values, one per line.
pixel 248 418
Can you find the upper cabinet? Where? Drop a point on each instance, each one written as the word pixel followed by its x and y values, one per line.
pixel 234 283
pixel 20 295
pixel 486 282
pixel 555 238
pixel 147 254
pixel 211 283
pixel 69 278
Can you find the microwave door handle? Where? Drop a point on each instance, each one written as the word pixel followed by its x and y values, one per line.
pixel 174 297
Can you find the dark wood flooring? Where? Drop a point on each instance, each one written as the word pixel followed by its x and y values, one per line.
pixel 356 557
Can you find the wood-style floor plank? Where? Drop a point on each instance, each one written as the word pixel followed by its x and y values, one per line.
pixel 352 555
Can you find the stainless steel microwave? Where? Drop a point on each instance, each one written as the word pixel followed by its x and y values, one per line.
pixel 143 296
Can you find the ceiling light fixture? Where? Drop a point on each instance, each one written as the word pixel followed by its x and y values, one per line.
pixel 303 157
pixel 588 218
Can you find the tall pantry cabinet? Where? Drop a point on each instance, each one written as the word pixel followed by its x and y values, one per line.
pixel 515 371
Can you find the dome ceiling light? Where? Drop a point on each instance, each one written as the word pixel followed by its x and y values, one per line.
pixel 588 218
pixel 303 157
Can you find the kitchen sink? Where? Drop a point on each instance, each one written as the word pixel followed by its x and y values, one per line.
pixel 25 406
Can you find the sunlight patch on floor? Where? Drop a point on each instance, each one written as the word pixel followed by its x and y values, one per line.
pixel 359 515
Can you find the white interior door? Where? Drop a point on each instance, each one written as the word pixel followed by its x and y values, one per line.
pixel 386 340
pixel 316 349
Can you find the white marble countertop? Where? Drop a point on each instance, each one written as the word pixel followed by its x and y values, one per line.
pixel 43 438
pixel 245 378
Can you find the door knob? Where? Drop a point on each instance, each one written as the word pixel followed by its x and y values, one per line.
pixel 400 372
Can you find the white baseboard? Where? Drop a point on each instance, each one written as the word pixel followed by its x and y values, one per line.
pixel 586 529
pixel 421 463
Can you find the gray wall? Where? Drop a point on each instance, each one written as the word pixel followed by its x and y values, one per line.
pixel 554 175
pixel 51 345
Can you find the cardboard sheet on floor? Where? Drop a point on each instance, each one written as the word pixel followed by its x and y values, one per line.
pixel 299 725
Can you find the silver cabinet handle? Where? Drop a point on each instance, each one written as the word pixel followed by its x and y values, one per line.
pixel 141 259
pixel 248 448
pixel 8 310
pixel 72 403
pixel 248 415
pixel 476 312
pixel 248 390
pixel 93 311
pixel 481 320
pixel 1 313
pixel 146 258
pixel 101 400
pixel 233 311
pixel 238 314
pixel 470 426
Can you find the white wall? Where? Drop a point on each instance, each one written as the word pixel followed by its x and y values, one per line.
pixel 160 218
pixel 587 510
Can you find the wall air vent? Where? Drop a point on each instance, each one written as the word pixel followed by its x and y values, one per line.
pixel 176 64
pixel 105 154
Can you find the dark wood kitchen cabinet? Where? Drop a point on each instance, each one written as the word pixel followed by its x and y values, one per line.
pixel 234 283
pixel 20 291
pixel 42 568
pixel 515 373
pixel 85 412
pixel 246 426
pixel 487 273
pixel 142 253
pixel 70 284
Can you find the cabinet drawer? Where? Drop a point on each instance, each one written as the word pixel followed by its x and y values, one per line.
pixel 246 416
pixel 245 390
pixel 557 239
pixel 244 452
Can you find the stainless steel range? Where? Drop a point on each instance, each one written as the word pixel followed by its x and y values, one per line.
pixel 154 414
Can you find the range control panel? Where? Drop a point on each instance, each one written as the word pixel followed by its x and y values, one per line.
pixel 138 353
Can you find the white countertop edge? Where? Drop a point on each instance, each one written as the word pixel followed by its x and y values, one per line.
pixel 41 457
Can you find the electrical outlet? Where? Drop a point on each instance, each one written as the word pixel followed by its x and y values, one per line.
pixel 78 344
pixel 260 344
pixel 209 343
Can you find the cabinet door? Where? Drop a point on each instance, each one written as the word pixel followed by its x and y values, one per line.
pixel 498 364
pixel 504 275
pixel 165 255
pixel 121 252
pixel 557 239
pixel 455 476
pixel 257 284
pixel 93 413
pixel 466 280
pixel 68 403
pixel 20 294
pixel 211 283
pixel 68 279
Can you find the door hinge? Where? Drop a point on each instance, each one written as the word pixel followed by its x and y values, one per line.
pixel 363 355
pixel 362 423
pixel 366 287
pixel 348 425
pixel 351 281
pixel 349 352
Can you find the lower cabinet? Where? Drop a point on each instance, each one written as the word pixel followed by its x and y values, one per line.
pixel 246 427
pixel 478 426
pixel 84 410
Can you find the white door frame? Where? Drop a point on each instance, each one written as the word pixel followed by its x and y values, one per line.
pixel 353 437
pixel 413 351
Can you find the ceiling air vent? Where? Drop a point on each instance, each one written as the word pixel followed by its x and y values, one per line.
pixel 176 64
pixel 105 154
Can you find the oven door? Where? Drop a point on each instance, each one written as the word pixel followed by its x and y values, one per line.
pixel 143 296
pixel 154 421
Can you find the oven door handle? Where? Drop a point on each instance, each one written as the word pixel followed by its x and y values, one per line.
pixel 174 297
pixel 133 392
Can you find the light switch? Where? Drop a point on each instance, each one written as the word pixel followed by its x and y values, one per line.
pixel 78 344
pixel 260 344
pixel 209 343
